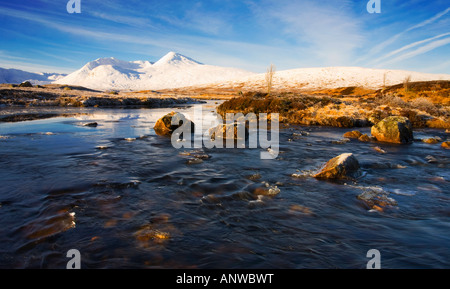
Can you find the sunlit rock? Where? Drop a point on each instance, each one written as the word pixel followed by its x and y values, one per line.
pixel 340 167
pixel 170 122
pixel 393 129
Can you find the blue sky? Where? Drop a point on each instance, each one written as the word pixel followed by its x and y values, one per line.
pixel 39 35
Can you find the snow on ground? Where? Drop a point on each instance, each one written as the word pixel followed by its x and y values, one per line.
pixel 334 77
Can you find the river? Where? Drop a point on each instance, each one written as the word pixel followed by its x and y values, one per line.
pixel 126 198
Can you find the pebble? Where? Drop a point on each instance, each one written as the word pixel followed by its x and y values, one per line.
pixel 91 124
pixel 380 150
pixel 194 161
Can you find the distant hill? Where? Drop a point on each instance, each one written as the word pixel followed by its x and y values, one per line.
pixel 302 79
pixel 19 76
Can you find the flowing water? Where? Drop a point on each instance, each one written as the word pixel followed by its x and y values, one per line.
pixel 126 198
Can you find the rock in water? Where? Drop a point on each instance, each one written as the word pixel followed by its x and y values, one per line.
pixel 393 129
pixel 446 145
pixel 353 134
pixel 91 124
pixel 224 131
pixel 164 125
pixel 431 140
pixel 364 138
pixel 340 167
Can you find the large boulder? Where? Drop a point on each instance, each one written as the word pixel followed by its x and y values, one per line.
pixel 170 122
pixel 393 129
pixel 341 167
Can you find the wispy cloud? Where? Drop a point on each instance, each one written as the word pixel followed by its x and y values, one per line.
pixel 406 47
pixel 421 50
pixel 378 48
pixel 7 60
pixel 330 30
pixel 128 20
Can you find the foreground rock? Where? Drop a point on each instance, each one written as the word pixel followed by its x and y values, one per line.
pixel 341 167
pixel 393 129
pixel 164 126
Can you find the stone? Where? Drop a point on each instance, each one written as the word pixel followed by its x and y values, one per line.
pixel 223 131
pixel 375 198
pixel 194 161
pixel 164 125
pixel 267 191
pixel 364 138
pixel 91 124
pixel 352 134
pixel 25 84
pixel 379 150
pixel 431 140
pixel 393 129
pixel 341 167
pixel 341 141
pixel 446 145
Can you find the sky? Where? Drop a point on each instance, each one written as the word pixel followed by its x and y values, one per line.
pixel 41 36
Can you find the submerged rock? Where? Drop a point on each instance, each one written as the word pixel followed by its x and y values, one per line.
pixel 364 138
pixel 380 150
pixel 340 167
pixel 375 198
pixel 267 191
pixel 352 134
pixel 393 129
pixel 194 161
pixel 431 140
pixel 91 124
pixel 165 127
pixel 224 131
pixel 342 141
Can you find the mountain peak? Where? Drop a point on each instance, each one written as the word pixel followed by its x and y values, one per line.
pixel 174 58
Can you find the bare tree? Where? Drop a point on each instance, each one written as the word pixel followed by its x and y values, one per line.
pixel 406 82
pixel 269 78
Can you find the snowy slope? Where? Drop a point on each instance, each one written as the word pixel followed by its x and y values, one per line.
pixel 175 70
pixel 171 71
pixel 334 77
pixel 19 76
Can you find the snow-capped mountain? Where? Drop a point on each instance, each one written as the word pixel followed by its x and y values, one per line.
pixel 19 76
pixel 171 71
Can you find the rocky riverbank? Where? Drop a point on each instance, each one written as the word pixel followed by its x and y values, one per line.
pixel 75 96
pixel 27 102
pixel 425 104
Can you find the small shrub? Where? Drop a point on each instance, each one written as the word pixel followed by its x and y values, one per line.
pixel 392 100
pixel 423 104
pixel 406 82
